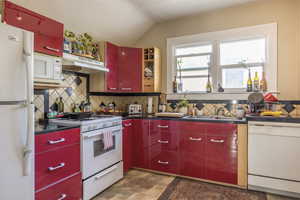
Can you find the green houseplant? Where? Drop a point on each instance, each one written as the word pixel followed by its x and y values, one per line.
pixel 183 106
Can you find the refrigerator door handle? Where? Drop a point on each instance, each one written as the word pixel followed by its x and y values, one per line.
pixel 28 148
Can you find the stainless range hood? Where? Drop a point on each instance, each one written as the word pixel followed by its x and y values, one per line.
pixel 81 64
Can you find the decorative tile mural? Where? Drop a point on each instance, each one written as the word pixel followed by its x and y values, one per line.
pixel 74 93
pixel 39 107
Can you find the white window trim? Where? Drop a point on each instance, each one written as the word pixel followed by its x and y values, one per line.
pixel 269 31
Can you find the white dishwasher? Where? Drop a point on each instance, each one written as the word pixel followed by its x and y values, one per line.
pixel 274 157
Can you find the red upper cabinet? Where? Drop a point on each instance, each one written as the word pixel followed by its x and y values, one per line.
pixel 127 145
pixel 130 69
pixel 221 153
pixel 49 34
pixel 111 62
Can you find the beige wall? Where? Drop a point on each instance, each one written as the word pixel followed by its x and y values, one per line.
pixel 285 12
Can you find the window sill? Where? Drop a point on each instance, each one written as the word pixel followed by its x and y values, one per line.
pixel 213 95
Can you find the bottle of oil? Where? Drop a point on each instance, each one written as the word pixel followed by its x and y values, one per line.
pixel 61 106
pixel 249 83
pixel 263 83
pixel 208 85
pixel 256 82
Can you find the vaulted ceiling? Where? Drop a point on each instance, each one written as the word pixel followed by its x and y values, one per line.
pixel 119 21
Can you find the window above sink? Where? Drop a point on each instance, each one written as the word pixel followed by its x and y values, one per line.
pixel 224 55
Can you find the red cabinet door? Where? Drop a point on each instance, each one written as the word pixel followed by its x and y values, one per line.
pixel 69 189
pixel 221 153
pixel 52 166
pixel 141 143
pixel 112 63
pixel 127 145
pixel 48 38
pixel 192 149
pixel 130 69
pixel 20 17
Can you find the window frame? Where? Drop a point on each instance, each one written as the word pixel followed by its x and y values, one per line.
pixel 267 31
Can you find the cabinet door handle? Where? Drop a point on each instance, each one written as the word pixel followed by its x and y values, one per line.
pixel 163 142
pixel 126 88
pixel 160 126
pixel 112 88
pixel 51 49
pixel 127 125
pixel 56 167
pixel 57 141
pixel 63 196
pixel 162 162
pixel 195 139
pixel 217 141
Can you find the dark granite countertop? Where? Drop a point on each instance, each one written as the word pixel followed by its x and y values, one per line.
pixel 151 117
pixel 283 119
pixel 45 127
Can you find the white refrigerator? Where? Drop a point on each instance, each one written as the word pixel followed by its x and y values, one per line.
pixel 16 114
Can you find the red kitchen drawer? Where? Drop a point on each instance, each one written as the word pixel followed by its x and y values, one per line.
pixel 166 141
pixel 53 166
pixel 164 161
pixel 221 129
pixel 54 140
pixel 69 189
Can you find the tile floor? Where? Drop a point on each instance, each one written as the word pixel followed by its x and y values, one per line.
pixel 141 185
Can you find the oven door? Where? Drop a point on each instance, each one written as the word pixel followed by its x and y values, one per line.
pixel 95 157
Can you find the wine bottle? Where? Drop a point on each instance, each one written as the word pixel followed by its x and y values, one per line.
pixel 263 83
pixel 256 82
pixel 208 85
pixel 249 83
pixel 175 85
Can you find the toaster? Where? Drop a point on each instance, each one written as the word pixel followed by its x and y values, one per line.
pixel 134 109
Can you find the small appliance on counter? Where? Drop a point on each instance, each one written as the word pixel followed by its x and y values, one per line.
pixel 135 109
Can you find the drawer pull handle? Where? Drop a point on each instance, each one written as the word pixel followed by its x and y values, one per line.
pixel 126 88
pixel 63 196
pixel 217 141
pixel 57 167
pixel 57 141
pixel 127 125
pixel 195 139
pixel 107 172
pixel 163 163
pixel 112 88
pixel 160 126
pixel 163 142
pixel 51 49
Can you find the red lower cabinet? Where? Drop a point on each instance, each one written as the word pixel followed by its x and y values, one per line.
pixel 57 165
pixel 141 143
pixel 192 149
pixel 127 145
pixel 164 161
pixel 69 189
pixel 221 153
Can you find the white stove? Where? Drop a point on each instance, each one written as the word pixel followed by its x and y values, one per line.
pixel 101 166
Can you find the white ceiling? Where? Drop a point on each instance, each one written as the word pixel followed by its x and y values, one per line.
pixel 119 21
pixel 161 10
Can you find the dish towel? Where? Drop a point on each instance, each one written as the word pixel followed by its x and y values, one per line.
pixel 108 140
